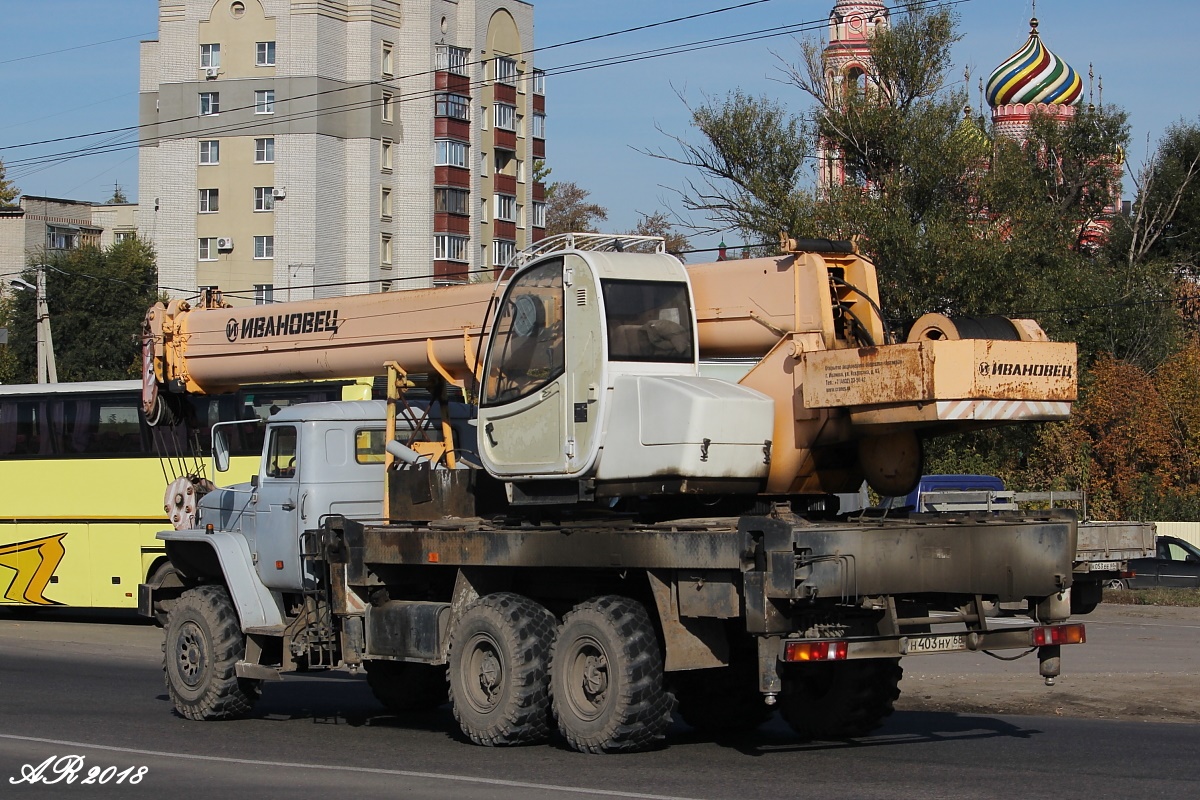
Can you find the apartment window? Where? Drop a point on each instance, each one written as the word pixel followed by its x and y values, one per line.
pixel 539 214
pixel 539 82
pixel 385 249
pixel 385 59
pixel 264 101
pixel 452 105
pixel 520 171
pixel 450 248
pixel 124 236
pixel 483 164
pixel 208 249
pixel 386 107
pixel 506 207
pixel 210 151
pixel 503 252
pixel 264 54
pixel 449 153
pixel 385 286
pixel 209 201
pixel 451 201
pixel 452 59
pixel 483 118
pixel 264 294
pixel 504 116
pixel 264 198
pixel 520 215
pixel 210 103
pixel 210 55
pixel 503 159
pixel 385 202
pixel 506 70
pixel 264 246
pixel 264 151
pixel 483 213
pixel 385 155
pixel 62 238
pixel 539 125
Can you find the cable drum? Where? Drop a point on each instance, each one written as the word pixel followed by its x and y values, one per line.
pixel 935 327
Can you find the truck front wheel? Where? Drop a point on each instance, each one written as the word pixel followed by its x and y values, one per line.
pixel 839 700
pixel 499 657
pixel 606 678
pixel 203 644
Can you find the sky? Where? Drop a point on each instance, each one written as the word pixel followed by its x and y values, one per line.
pixel 69 67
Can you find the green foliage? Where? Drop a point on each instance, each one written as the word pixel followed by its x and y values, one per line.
pixel 750 162
pixel 97 301
pixel 659 224
pixel 118 196
pixel 569 211
pixel 8 192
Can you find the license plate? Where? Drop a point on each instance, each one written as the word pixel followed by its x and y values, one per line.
pixel 1103 566
pixel 943 643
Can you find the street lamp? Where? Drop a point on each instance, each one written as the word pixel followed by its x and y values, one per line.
pixel 47 372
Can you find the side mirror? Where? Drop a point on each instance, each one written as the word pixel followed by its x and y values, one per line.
pixel 220 449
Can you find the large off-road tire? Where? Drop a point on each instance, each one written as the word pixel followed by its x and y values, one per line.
pixel 499 670
pixel 720 701
pixel 839 700
pixel 403 686
pixel 606 678
pixel 203 644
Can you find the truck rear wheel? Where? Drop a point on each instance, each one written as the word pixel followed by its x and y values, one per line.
pixel 499 665
pixel 606 678
pixel 202 646
pixel 840 700
pixel 404 686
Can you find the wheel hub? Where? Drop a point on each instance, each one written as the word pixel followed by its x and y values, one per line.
pixel 191 655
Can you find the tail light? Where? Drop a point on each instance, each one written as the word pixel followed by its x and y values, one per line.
pixel 814 651
pixel 1059 634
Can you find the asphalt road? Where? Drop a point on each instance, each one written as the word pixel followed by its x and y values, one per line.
pixel 94 690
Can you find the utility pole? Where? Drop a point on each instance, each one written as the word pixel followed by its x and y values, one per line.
pixel 47 371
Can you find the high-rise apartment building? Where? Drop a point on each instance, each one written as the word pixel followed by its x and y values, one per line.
pixel 293 148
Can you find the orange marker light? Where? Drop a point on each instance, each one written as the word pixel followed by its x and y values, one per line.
pixel 1059 634
pixel 278 565
pixel 814 651
pixel 434 558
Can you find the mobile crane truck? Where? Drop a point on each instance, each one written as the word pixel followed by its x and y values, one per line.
pixel 601 534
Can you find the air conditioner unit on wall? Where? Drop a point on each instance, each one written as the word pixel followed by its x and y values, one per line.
pixel 225 243
pixel 211 72
pixel 279 193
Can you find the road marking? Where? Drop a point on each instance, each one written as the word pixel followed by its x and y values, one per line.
pixel 334 767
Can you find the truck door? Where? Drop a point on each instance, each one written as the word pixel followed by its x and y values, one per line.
pixel 525 396
pixel 277 517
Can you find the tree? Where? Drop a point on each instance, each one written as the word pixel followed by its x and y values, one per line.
pixel 750 161
pixel 118 196
pixel 568 210
pixel 659 224
pixel 8 192
pixel 97 301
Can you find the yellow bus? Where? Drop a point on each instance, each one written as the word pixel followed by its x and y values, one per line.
pixel 83 479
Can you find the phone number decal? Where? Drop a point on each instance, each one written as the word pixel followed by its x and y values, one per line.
pixel 69 769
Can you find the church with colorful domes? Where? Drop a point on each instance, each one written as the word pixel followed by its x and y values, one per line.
pixel 1033 81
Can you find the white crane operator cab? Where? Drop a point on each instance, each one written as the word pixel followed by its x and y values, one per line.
pixel 591 376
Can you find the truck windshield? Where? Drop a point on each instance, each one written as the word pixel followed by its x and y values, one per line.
pixel 648 321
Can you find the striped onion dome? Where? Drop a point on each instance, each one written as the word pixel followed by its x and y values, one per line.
pixel 1034 75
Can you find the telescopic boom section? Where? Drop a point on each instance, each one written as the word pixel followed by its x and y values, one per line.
pixel 217 349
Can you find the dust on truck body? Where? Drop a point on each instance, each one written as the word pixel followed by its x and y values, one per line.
pixel 603 535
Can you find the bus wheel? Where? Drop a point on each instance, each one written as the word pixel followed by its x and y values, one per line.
pixel 203 644
pixel 839 700
pixel 606 678
pixel 499 656
pixel 404 686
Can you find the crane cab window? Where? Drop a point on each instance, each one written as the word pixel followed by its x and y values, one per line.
pixel 281 453
pixel 648 321
pixel 527 347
